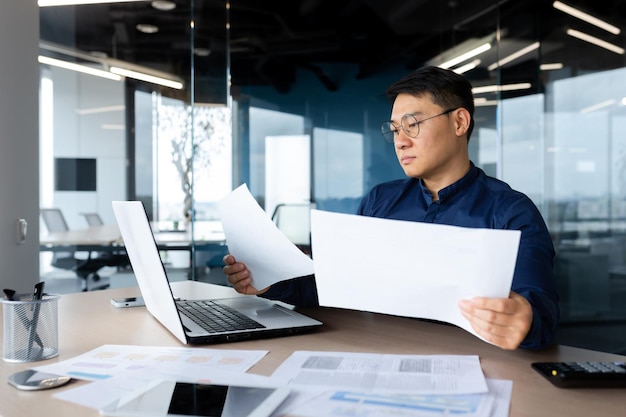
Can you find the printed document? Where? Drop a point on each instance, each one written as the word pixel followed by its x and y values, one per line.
pixel 119 369
pixel 384 373
pixel 377 385
pixel 409 268
pixel 108 361
pixel 495 403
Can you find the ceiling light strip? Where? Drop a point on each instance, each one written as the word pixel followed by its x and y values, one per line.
pixel 514 56
pixel 465 56
pixel 109 126
pixel 593 40
pixel 586 17
pixel 147 78
pixel 507 87
pixel 52 3
pixel 469 66
pixel 78 68
pixel 104 109
pixel 598 106
pixel 484 102
pixel 551 66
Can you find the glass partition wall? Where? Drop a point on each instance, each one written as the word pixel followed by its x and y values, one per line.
pixel 550 96
pixel 135 107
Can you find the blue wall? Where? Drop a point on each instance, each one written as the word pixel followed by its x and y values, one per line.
pixel 358 105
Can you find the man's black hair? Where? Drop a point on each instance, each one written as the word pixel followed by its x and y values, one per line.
pixel 446 88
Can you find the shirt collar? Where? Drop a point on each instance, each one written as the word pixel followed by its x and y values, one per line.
pixel 452 189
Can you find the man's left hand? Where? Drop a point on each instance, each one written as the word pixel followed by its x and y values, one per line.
pixel 505 322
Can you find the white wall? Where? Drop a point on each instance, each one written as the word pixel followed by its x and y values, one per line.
pixel 88 122
pixel 19 156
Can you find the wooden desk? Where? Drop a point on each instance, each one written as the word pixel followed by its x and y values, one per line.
pixel 87 320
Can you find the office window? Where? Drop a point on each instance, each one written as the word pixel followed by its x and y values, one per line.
pixel 262 124
pixel 287 170
pixel 339 180
pixel 192 160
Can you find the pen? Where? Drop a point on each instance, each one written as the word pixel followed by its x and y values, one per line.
pixel 9 294
pixel 38 292
pixel 32 336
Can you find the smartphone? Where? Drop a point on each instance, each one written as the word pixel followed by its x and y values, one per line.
pixel 31 380
pixel 128 302
pixel 171 398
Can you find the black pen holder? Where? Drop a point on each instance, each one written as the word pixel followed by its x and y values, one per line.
pixel 30 328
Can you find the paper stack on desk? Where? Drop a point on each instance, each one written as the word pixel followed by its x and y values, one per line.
pixel 336 384
pixel 118 369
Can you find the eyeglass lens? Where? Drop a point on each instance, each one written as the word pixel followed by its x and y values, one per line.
pixel 410 125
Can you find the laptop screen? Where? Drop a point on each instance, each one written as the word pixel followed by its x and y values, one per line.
pixel 147 265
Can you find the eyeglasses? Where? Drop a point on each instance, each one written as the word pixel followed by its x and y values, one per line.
pixel 410 125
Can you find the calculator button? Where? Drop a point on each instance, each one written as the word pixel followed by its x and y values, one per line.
pixel 583 374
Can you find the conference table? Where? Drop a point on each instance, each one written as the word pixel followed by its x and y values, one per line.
pixel 108 238
pixel 208 238
pixel 88 320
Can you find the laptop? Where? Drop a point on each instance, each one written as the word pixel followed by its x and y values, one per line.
pixel 260 317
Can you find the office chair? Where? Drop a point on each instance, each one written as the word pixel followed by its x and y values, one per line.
pixel 118 259
pixel 84 268
pixel 216 255
pixel 93 219
pixel 294 220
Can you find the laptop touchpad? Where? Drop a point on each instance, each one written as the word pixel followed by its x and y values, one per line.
pixel 271 312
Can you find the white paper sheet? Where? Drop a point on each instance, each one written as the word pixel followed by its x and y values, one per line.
pixel 108 361
pixel 119 369
pixel 253 239
pixel 408 268
pixel 495 403
pixel 383 373
pixel 98 394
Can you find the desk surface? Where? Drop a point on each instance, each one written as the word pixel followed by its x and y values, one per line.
pixel 87 320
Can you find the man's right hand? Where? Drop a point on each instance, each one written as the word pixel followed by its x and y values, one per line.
pixel 239 276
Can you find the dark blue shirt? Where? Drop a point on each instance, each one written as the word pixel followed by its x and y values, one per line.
pixel 476 200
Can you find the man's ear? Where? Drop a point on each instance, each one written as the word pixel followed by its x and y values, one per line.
pixel 462 119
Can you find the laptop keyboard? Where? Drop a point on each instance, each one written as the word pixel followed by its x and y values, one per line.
pixel 215 317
